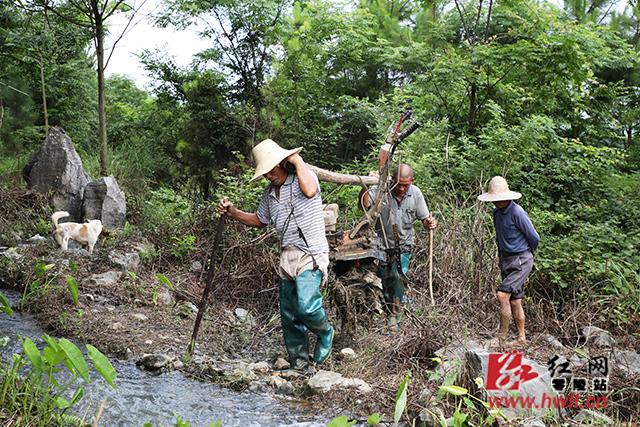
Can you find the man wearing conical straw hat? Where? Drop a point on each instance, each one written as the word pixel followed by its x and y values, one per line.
pixel 292 203
pixel 517 239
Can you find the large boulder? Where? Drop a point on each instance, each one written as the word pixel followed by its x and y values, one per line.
pixel 57 167
pixel 104 200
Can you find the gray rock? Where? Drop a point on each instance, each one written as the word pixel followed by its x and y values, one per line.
pixel 257 387
pixel 590 417
pixel 324 381
pixel 476 365
pixel 597 336
pixel 552 341
pixel 12 254
pixel 177 364
pixel 129 261
pixel 56 167
pixel 110 278
pixel 165 297
pixel 116 326
pixel 286 389
pixel 348 353
pixel 241 313
pixel 153 362
pixel 627 361
pixel 104 200
pixel 196 266
pixel 34 240
pixel 261 367
pixel 139 316
pixel 281 364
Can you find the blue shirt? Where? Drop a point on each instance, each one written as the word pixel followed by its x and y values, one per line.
pixel 514 230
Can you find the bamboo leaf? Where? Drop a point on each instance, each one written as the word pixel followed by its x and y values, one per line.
pixel 32 353
pixel 5 305
pixel 102 365
pixel 164 280
pixel 75 357
pixel 73 289
pixel 454 389
pixel 401 398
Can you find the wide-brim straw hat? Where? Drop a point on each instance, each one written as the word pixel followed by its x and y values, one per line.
pixel 268 155
pixel 498 190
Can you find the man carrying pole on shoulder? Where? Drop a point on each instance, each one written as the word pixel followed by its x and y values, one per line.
pixel 292 203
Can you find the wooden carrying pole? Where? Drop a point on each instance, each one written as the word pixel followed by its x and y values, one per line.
pixel 433 302
pixel 207 290
pixel 342 178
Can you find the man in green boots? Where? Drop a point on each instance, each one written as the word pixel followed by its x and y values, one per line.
pixel 292 203
pixel 403 205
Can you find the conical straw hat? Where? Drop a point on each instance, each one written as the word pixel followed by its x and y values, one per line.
pixel 498 190
pixel 268 155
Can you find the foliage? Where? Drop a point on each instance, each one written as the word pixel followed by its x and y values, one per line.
pixel 32 388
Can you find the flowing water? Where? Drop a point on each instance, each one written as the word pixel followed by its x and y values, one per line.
pixel 141 397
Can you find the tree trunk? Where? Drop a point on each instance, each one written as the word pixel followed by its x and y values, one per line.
pixel 102 113
pixel 629 139
pixel 44 97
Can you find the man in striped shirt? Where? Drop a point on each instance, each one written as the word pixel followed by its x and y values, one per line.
pixel 292 203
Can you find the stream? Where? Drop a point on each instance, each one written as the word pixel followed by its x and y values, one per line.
pixel 141 397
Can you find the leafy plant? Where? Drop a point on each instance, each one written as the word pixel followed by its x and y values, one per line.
pixel 72 285
pixel 401 398
pixel 183 245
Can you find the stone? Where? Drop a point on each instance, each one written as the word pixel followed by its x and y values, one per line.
pixel 34 240
pixel 286 389
pixel 537 386
pixel 196 266
pixel 12 254
pixel 110 278
pixel 348 353
pixel 627 361
pixel 590 417
pixel 257 387
pixel 260 367
pixel 153 362
pixel 281 364
pixel 129 261
pixel 104 200
pixel 148 342
pixel 177 364
pixel 165 297
pixel 88 297
pixel 116 326
pixel 139 316
pixel 241 313
pixel 324 381
pixel 597 336
pixel 552 341
pixel 57 168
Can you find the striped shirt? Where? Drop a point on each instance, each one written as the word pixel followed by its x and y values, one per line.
pixel 307 214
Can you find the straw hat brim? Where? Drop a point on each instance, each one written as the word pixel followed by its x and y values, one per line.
pixel 267 164
pixel 497 197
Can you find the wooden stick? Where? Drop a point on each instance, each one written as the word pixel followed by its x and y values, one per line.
pixel 433 302
pixel 99 412
pixel 342 178
pixel 205 295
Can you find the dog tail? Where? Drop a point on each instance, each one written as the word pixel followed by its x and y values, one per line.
pixel 57 216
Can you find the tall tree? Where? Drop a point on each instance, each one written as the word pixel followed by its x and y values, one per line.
pixel 93 15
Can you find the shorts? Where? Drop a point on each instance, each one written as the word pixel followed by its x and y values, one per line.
pixel 514 270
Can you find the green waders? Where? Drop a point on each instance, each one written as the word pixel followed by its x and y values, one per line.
pixel 300 311
pixel 393 285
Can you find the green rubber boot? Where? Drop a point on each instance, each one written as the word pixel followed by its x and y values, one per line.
pixel 312 314
pixel 295 333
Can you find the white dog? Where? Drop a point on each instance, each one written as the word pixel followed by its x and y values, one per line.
pixel 85 234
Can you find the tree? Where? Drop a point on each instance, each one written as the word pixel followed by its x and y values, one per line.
pixel 93 15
